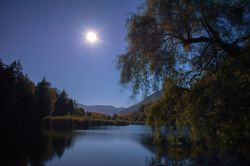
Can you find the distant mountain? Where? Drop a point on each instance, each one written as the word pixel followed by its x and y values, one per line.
pixel 135 108
pixel 104 109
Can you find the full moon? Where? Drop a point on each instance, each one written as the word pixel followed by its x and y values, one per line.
pixel 91 37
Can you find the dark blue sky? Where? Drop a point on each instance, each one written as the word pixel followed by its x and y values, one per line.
pixel 46 36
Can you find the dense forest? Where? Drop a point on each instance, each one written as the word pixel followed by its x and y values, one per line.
pixel 24 104
pixel 198 52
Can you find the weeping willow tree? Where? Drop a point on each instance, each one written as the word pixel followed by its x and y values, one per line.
pixel 202 47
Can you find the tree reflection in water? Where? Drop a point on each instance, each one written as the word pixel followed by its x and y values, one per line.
pixel 34 147
pixel 177 156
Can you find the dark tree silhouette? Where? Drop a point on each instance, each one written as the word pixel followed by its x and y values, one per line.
pixel 183 40
pixel 22 104
pixel 198 52
pixel 46 98
pixel 61 107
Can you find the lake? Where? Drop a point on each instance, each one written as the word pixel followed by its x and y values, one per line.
pixel 111 146
pixel 102 146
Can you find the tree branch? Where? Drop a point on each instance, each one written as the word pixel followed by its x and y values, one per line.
pixel 240 39
pixel 201 39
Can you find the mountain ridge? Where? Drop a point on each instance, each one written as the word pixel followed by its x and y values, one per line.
pixel 135 108
pixel 111 110
pixel 104 109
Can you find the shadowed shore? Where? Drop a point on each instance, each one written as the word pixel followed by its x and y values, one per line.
pixel 74 122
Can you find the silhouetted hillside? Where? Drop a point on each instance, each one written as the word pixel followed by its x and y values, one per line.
pixel 135 108
pixel 104 109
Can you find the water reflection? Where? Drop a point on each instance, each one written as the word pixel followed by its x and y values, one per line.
pixel 35 147
pixel 120 145
pixel 193 156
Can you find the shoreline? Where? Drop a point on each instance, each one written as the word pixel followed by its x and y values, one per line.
pixel 74 122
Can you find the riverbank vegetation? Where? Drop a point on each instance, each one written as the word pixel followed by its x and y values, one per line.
pixel 79 122
pixel 26 105
pixel 198 53
pixel 132 117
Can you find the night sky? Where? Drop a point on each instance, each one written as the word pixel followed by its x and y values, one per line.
pixel 47 36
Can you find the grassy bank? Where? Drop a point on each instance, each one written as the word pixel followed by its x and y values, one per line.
pixel 137 122
pixel 77 122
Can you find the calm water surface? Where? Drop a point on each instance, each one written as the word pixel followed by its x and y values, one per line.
pixel 102 146
pixel 111 146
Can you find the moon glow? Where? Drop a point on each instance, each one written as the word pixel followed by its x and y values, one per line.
pixel 91 37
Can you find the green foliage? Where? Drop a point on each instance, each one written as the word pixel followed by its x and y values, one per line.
pixel 182 40
pixel 61 107
pixel 46 98
pixel 80 122
pixel 198 53
pixel 23 104
pixel 133 117
pixel 168 111
pixel 219 107
pixel 17 96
